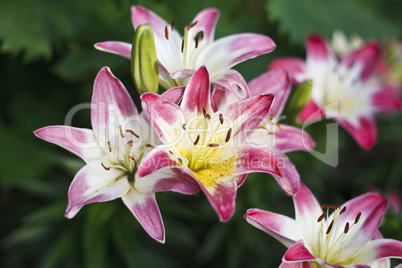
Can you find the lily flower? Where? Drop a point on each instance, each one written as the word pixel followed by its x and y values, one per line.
pixel 278 138
pixel 348 237
pixel 179 57
pixel 345 89
pixel 206 146
pixel 112 150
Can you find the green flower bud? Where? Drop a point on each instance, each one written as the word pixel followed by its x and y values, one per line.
pixel 144 63
pixel 299 98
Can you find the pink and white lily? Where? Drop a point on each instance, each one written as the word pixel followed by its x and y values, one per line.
pixel 348 237
pixel 278 138
pixel 112 150
pixel 206 146
pixel 345 89
pixel 179 57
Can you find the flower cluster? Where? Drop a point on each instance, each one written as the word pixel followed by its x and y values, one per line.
pixel 190 138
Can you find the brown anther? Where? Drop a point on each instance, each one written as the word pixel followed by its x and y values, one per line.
pixel 330 227
pixel 330 206
pixel 183 126
pixel 272 133
pixel 105 167
pixel 321 217
pixel 228 135
pixel 172 24
pixel 193 24
pixel 110 146
pixel 132 158
pixel 221 118
pixel 166 33
pixel 182 46
pixel 207 116
pixel 276 124
pixel 121 132
pixel 132 133
pixel 271 117
pixel 204 112
pixel 346 230
pixel 149 145
pixel 358 217
pixel 201 35
pixel 213 145
pixel 196 140
pixel 130 143
pixel 342 211
pixel 196 42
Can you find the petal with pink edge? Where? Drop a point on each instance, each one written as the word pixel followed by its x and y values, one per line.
pixel 146 211
pixel 115 47
pixel 142 15
pixel 290 139
pixel 295 67
pixel 386 100
pixel 111 105
pixel 235 84
pixel 206 23
pixel 79 141
pixel 231 50
pixel 298 253
pixel 158 172
pixel 304 264
pixel 317 49
pixel 290 180
pixel 365 134
pixel 173 95
pixel 92 184
pixel 275 82
pixel 281 227
pixel 379 249
pixel 311 113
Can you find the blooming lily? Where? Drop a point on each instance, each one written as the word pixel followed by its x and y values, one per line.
pixel 179 57
pixel 278 138
pixel 206 146
pixel 346 238
pixel 112 150
pixel 345 89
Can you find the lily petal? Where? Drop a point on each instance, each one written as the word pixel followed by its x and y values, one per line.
pixel 279 226
pixel 304 264
pixel 115 47
pixel 233 81
pixel 310 113
pixel 379 249
pixel 146 211
pixel 386 100
pixel 290 139
pixel 365 134
pixel 92 184
pixel 275 82
pixel 206 23
pixel 298 253
pixel 79 141
pixel 295 67
pixel 317 49
pixel 158 172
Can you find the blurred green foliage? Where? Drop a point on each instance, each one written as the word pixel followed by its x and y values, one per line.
pixel 47 66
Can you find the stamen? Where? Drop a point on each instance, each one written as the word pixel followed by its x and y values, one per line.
pixel 184 126
pixel 130 143
pixel 149 145
pixel 196 42
pixel 342 211
pixel 330 227
pixel 330 206
pixel 105 167
pixel 196 140
pixel 358 217
pixel 204 112
pixel 271 117
pixel 192 25
pixel 346 230
pixel 321 217
pixel 182 46
pixel 228 135
pixel 272 133
pixel 201 35
pixel 132 133
pixel 172 24
pixel 110 146
pixel 221 118
pixel 132 158
pixel 121 132
pixel 166 33
pixel 276 124
pixel 207 116
pixel 213 145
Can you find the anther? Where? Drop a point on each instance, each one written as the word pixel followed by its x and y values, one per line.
pixel 346 230
pixel 343 210
pixel 330 227
pixel 207 116
pixel 110 146
pixel 358 217
pixel 132 158
pixel 132 133
pixel 321 217
pixel 204 112
pixel 213 145
pixel 196 140
pixel 182 46
pixel 272 133
pixel 201 35
pixel 221 118
pixel 130 143
pixel 330 206
pixel 166 33
pixel 228 135
pixel 105 167
pixel 149 145
pixel 172 24
pixel 183 126
pixel 196 42
pixel 195 23
pixel 121 132
pixel 276 124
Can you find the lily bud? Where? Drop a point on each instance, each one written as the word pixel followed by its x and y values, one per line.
pixel 300 98
pixel 144 63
